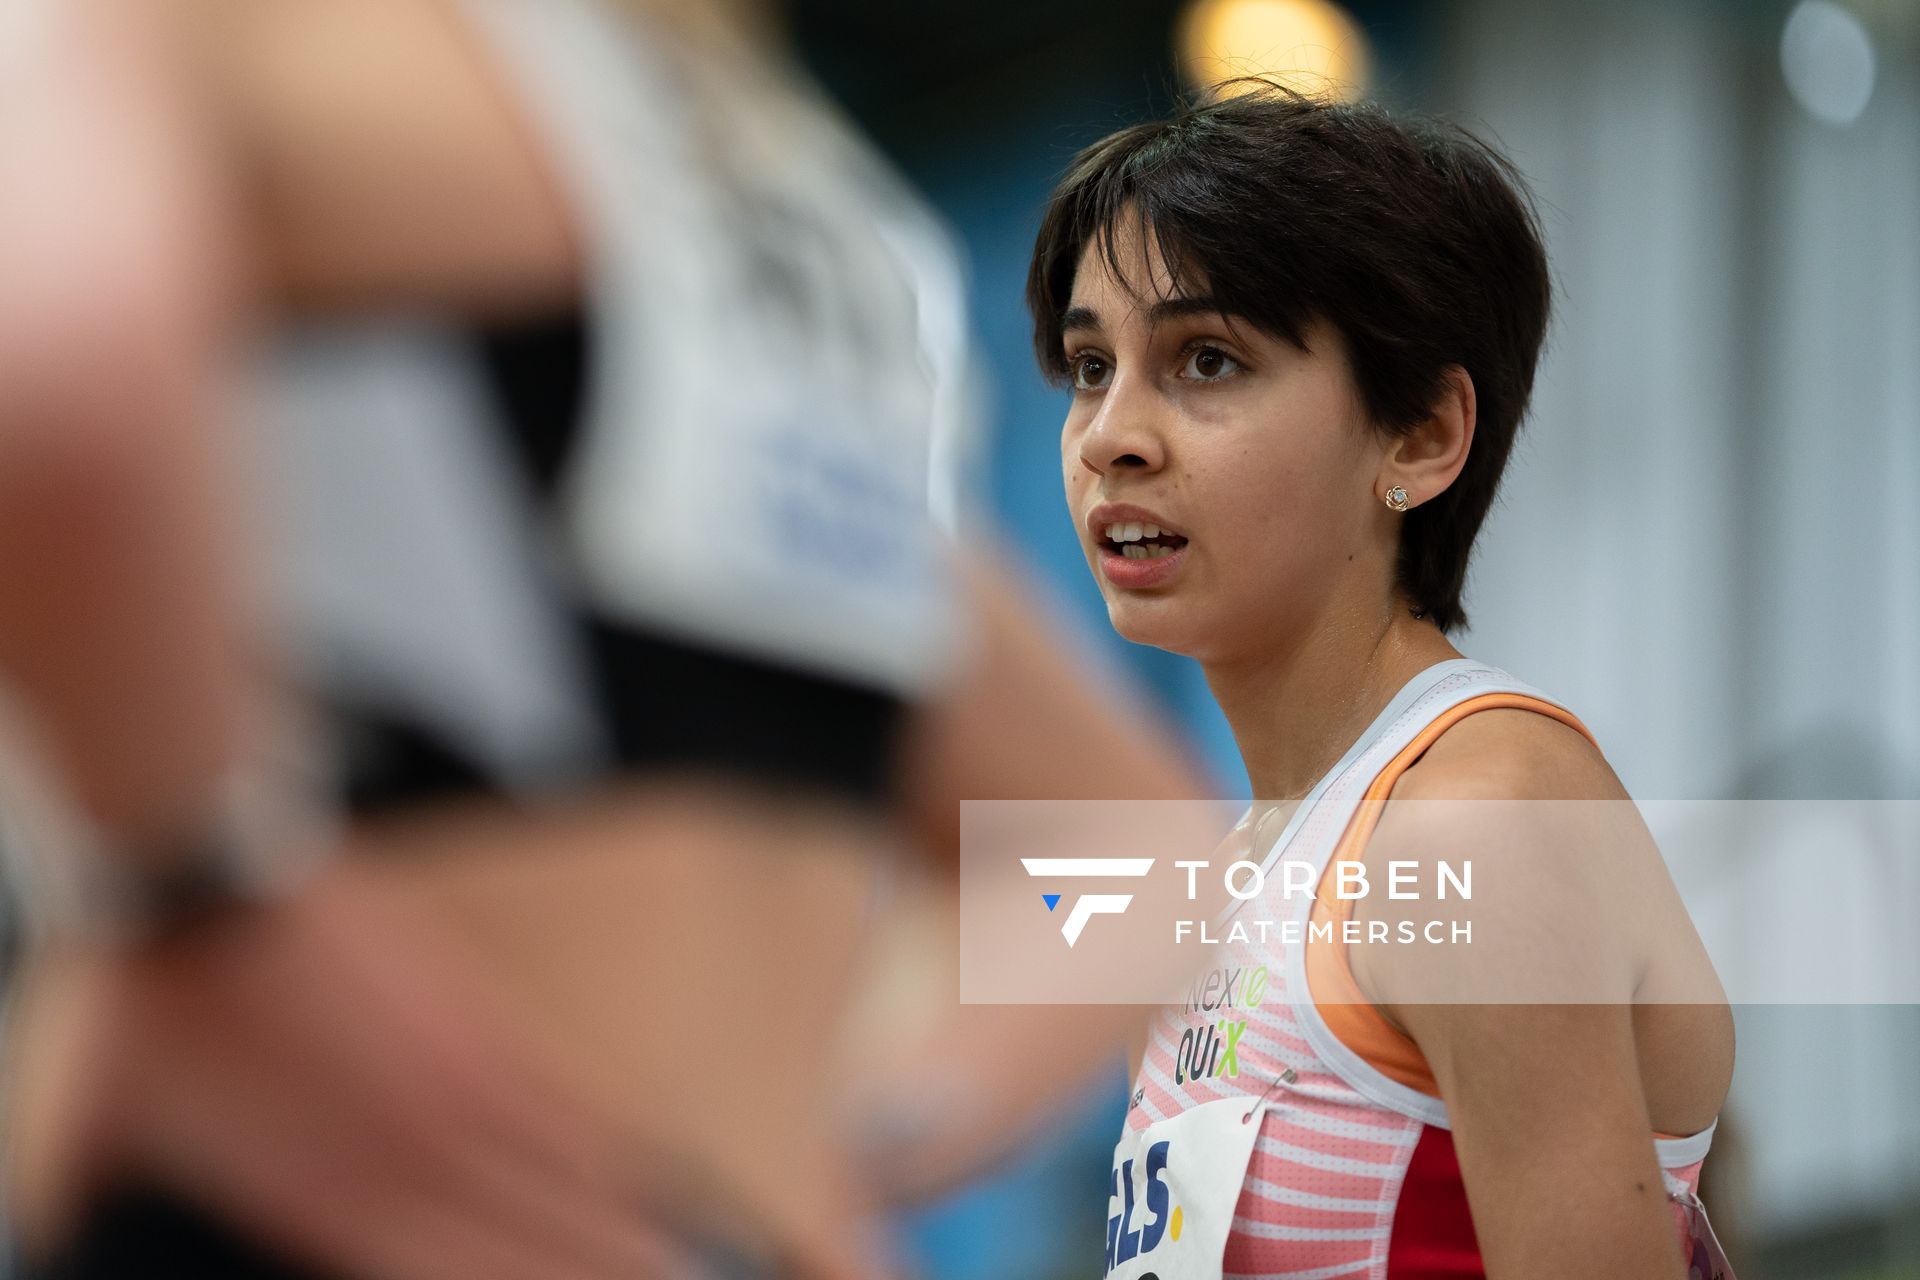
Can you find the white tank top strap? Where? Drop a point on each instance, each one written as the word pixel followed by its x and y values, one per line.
pixel 1323 815
pixel 1679 1153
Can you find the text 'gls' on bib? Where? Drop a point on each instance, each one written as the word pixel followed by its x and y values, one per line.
pixel 1173 1191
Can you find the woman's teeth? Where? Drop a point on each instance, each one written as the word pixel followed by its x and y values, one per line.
pixel 1130 540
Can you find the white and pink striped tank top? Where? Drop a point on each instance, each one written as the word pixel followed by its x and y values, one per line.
pixel 1324 1116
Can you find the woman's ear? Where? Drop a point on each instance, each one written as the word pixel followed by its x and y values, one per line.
pixel 1425 460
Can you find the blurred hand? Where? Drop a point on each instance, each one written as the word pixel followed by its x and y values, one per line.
pixel 330 1078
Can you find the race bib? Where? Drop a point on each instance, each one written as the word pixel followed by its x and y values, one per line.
pixel 1173 1191
pixel 1706 1260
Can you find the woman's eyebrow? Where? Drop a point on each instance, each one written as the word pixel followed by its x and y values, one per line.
pixel 1179 308
pixel 1078 317
pixel 1082 317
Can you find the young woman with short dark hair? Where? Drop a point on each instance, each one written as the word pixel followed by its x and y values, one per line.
pixel 1300 338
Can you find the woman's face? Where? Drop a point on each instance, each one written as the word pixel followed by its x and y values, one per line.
pixel 1252 458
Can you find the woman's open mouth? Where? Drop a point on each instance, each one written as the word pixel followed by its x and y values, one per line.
pixel 1136 555
pixel 1138 541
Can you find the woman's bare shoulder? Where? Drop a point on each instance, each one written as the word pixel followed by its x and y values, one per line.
pixel 1511 754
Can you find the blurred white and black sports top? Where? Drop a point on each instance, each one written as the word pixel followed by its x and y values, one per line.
pixel 689 526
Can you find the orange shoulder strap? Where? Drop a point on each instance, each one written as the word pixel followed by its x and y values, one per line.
pixel 1347 1013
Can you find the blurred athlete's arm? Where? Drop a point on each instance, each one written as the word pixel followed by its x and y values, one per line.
pixel 323 1072
pixel 118 618
pixel 169 164
pixel 171 160
pixel 1022 720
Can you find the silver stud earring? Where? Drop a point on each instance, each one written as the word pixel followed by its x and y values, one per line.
pixel 1397 498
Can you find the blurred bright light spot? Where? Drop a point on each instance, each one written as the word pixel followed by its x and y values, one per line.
pixel 1827 58
pixel 1311 46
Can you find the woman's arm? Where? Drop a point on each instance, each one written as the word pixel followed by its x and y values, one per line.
pixel 1554 1141
pixel 1529 1028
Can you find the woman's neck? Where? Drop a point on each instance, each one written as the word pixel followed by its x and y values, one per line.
pixel 1295 710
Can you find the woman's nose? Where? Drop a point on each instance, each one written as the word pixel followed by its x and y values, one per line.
pixel 1121 437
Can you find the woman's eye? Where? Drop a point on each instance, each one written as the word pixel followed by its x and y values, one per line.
pixel 1090 373
pixel 1209 364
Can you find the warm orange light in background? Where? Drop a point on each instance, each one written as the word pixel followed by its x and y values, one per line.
pixel 1311 46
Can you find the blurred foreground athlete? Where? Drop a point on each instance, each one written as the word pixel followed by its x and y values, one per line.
pixel 520 413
